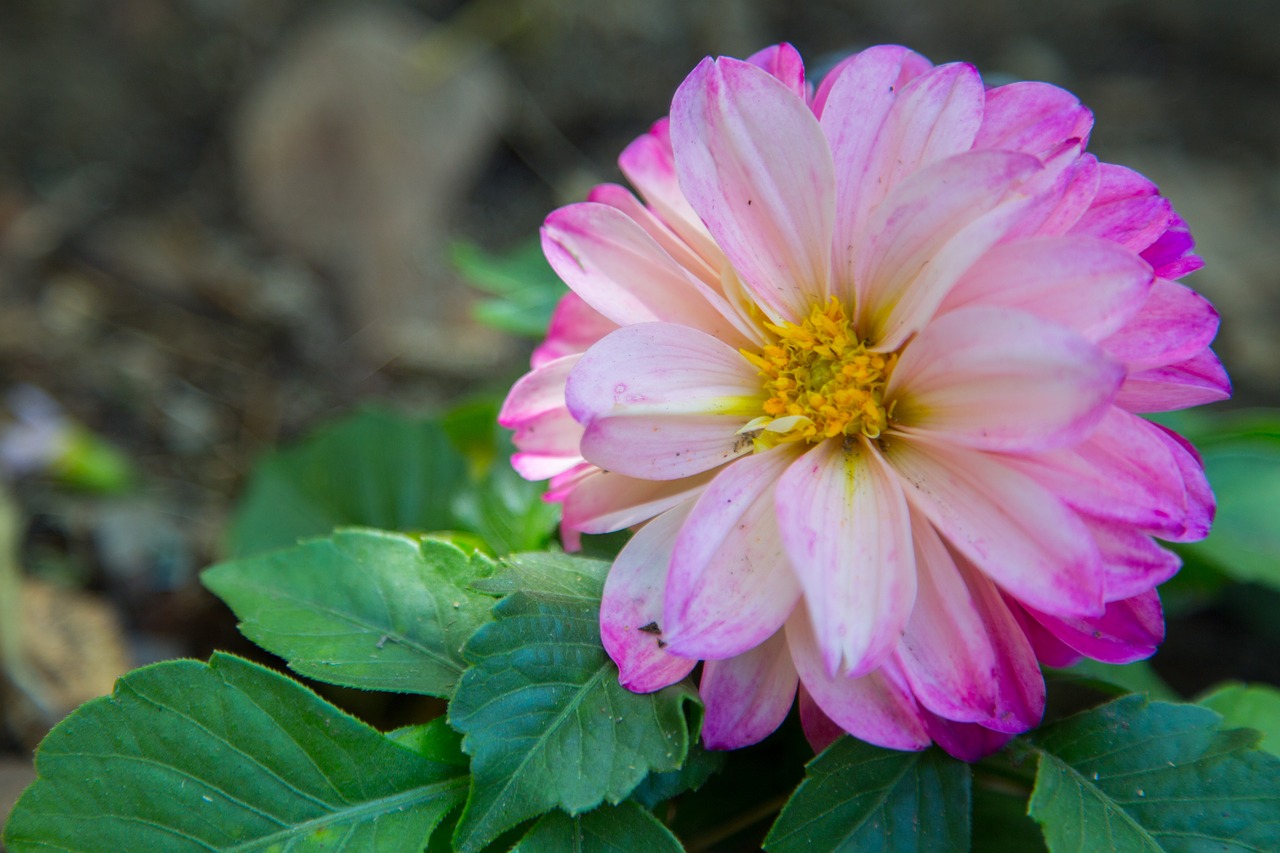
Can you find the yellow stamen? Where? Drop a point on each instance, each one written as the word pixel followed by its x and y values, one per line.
pixel 822 380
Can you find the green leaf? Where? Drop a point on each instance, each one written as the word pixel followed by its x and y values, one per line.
pixel 362 608
pixel 433 740
pixel 506 510
pixel 697 769
pixel 1135 775
pixel 1254 706
pixel 1116 679
pixel 225 756
pixel 1000 822
pixel 550 574
pixel 625 828
pixel 545 720
pixel 856 796
pixel 373 469
pixel 526 286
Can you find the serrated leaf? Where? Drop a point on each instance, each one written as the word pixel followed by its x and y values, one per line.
pixel 187 756
pixel 625 828
pixel 550 574
pixel 372 469
pixel 362 608
pixel 543 716
pixel 856 796
pixel 1135 775
pixel 1254 706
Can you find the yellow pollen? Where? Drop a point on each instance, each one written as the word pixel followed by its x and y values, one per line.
pixel 820 381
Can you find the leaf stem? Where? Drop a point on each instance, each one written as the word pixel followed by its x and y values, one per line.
pixel 731 827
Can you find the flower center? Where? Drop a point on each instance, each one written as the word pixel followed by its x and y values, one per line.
pixel 821 382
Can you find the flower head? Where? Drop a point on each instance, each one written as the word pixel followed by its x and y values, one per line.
pixel 864 365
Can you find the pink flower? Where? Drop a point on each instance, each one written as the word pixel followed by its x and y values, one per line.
pixel 863 366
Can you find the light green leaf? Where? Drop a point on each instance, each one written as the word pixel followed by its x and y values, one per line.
pixel 625 828
pixel 526 287
pixel 545 720
pixel 433 740
pixel 551 574
pixel 506 510
pixel 362 608
pixel 187 756
pixel 856 796
pixel 1254 706
pixel 1135 775
pixel 373 469
pixel 1116 679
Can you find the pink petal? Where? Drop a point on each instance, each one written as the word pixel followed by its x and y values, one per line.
pixel 1002 379
pixel 662 234
pixel 965 741
pixel 539 391
pixel 1174 324
pixel 1199 380
pixel 1201 505
pixel 1132 561
pixel 846 530
pixel 549 444
pixel 1129 630
pixel 1014 530
pixel 662 401
pixel 1050 651
pixel 853 102
pixel 620 271
pixel 1067 192
pixel 650 166
pixel 575 325
pixel 1083 283
pixel 747 697
pixel 730 586
pixel 783 62
pixel 631 609
pixel 1124 472
pixel 927 234
pixel 754 164
pixel 875 708
pixel 1128 210
pixel 819 729
pixel 908 63
pixel 605 501
pixel 962 653
pixel 1170 255
pixel 1034 118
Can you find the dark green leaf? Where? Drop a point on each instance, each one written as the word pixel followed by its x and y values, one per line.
pixel 860 797
pixel 225 756
pixel 697 769
pixel 373 469
pixel 545 720
pixel 625 828
pixel 1135 775
pixel 363 608
pixel 1000 821
pixel 1254 706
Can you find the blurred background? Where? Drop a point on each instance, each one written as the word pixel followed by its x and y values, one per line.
pixel 224 223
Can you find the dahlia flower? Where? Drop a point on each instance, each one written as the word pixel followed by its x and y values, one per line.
pixel 863 365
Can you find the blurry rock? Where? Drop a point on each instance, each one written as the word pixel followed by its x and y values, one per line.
pixel 72 650
pixel 355 150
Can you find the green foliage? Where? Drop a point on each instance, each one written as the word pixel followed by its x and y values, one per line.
pixel 860 797
pixel 1116 679
pixel 525 287
pixel 226 755
pixel 622 829
pixel 545 720
pixel 1135 775
pixel 389 471
pixel 1241 455
pixel 698 767
pixel 1254 706
pixel 362 608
